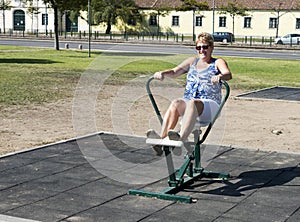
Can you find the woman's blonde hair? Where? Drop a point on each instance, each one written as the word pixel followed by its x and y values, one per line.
pixel 205 37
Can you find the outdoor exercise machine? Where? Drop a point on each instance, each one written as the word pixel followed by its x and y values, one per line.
pixel 191 170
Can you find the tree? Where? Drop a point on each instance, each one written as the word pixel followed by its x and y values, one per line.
pixel 192 5
pixel 109 11
pixel 161 11
pixel 32 10
pixel 277 10
pixel 62 6
pixel 4 5
pixel 234 9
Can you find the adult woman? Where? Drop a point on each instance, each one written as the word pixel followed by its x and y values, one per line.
pixel 202 94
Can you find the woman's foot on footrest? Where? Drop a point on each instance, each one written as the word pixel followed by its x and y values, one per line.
pixel 174 135
pixel 158 150
pixel 151 134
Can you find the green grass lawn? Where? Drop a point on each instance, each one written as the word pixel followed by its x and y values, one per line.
pixel 32 75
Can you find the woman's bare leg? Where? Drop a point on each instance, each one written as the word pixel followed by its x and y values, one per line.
pixel 194 108
pixel 175 110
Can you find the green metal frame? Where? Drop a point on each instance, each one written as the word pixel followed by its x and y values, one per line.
pixel 191 170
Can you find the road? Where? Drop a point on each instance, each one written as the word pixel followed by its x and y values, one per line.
pixel 158 48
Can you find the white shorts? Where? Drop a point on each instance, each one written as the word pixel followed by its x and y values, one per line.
pixel 211 107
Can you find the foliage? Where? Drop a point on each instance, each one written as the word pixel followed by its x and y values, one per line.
pixel 4 5
pixel 160 11
pixel 109 11
pixel 234 9
pixel 188 5
pixel 64 5
pixel 61 5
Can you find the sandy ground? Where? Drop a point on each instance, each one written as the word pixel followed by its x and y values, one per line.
pixel 260 124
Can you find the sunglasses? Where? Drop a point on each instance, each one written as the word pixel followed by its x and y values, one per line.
pixel 203 47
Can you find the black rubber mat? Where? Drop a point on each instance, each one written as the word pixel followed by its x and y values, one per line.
pixel 278 92
pixel 81 180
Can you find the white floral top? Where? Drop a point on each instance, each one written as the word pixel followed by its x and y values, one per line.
pixel 198 83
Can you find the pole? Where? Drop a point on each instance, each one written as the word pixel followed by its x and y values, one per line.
pixel 37 17
pixel 3 15
pixel 46 19
pixel 194 25
pixel 89 21
pixel 213 25
pixel 277 23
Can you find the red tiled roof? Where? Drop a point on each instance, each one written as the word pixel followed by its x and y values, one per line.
pixel 250 4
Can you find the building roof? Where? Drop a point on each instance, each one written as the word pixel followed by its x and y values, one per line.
pixel 250 4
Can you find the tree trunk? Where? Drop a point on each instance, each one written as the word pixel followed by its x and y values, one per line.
pixel 3 12
pixel 56 44
pixel 108 29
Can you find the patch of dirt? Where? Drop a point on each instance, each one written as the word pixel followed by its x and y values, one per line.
pixel 261 124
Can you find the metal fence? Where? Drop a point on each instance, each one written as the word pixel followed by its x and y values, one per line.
pixel 249 41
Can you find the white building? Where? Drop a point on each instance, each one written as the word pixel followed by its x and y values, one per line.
pixel 18 18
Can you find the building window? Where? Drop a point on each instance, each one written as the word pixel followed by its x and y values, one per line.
pixel 273 23
pixel 153 20
pixel 175 20
pixel 222 21
pixel 297 23
pixel 247 22
pixel 198 20
pixel 44 19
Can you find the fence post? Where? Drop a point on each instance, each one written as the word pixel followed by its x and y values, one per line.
pixel 271 41
pixel 126 36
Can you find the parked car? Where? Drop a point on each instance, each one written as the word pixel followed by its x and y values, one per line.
pixel 288 39
pixel 223 37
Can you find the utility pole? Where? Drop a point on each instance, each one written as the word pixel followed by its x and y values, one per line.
pixel 89 21
pixel 37 17
pixel 213 23
pixel 3 14
pixel 194 39
pixel 46 19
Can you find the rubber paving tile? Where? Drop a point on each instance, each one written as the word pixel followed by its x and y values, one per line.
pixel 88 179
pixel 278 93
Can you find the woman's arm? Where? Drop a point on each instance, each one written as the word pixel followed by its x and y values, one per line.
pixel 225 73
pixel 177 71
